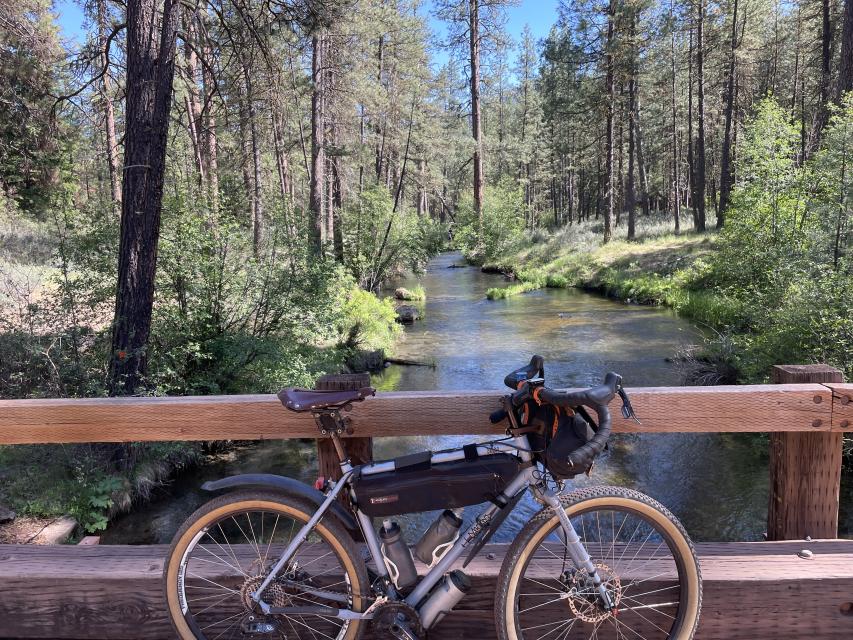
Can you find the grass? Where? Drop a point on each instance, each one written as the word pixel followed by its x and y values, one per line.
pixel 659 267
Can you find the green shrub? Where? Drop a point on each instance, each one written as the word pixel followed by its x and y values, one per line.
pixel 502 223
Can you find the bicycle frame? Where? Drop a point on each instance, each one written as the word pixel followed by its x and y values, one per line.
pixel 525 479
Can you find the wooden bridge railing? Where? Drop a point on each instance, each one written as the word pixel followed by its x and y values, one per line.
pixel 752 590
pixel 807 418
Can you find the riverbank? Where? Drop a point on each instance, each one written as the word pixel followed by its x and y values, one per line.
pixel 658 268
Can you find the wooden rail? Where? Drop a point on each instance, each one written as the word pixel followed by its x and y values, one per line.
pixel 805 407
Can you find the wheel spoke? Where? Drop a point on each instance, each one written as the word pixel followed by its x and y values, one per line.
pixel 628 548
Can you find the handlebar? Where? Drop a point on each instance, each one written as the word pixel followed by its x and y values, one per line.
pixel 596 398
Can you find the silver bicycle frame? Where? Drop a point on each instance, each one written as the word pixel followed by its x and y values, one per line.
pixel 525 479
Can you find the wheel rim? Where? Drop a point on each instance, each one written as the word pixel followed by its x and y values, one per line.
pixel 228 558
pixel 635 556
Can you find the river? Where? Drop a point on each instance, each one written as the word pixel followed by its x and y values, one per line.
pixel 716 483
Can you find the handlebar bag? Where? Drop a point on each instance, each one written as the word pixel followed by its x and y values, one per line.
pixel 428 487
pixel 572 433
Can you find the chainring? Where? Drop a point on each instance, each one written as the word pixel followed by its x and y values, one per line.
pixel 389 615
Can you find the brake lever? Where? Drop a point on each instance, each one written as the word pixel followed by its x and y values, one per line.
pixel 627 410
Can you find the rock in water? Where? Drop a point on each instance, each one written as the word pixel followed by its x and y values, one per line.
pixel 407 314
pixel 402 293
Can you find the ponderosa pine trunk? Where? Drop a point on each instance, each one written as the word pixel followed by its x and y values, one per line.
pixel 109 110
pixel 725 160
pixel 318 156
pixel 611 133
pixel 676 173
pixel 476 124
pixel 150 75
pixel 699 187
pixel 822 116
pixel 845 68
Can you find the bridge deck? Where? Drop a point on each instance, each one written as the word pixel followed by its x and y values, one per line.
pixel 752 591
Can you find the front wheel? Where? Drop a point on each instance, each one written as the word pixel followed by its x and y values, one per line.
pixel 225 550
pixel 641 552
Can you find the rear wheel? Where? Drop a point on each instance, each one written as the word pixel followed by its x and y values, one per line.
pixel 226 549
pixel 641 552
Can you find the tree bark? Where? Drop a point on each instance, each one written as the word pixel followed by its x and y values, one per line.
pixel 318 156
pixel 151 71
pixel 699 187
pixel 109 110
pixel 845 68
pixel 822 116
pixel 476 125
pixel 209 139
pixel 725 160
pixel 676 174
pixel 611 99
pixel 257 177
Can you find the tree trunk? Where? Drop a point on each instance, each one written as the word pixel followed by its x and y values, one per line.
pixel 476 125
pixel 257 178
pixel 194 123
pixel 318 155
pixel 691 165
pixel 109 111
pixel 845 68
pixel 611 100
pixel 699 188
pixel 725 160
pixel 630 195
pixel 822 116
pixel 151 71
pixel 209 141
pixel 676 174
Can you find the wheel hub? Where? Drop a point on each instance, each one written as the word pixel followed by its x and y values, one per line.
pixel 583 597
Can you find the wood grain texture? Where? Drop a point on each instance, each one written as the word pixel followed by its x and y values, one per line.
pixel 842 406
pixel 805 469
pixel 756 408
pixel 751 591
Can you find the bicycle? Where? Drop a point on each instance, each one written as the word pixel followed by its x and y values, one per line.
pixel 275 558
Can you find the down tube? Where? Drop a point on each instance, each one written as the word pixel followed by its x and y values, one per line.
pixel 519 483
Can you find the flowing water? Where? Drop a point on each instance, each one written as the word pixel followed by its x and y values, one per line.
pixel 716 483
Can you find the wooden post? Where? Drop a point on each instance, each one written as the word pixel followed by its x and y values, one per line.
pixel 359 449
pixel 805 469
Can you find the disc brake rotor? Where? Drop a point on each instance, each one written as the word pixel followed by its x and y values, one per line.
pixel 583 596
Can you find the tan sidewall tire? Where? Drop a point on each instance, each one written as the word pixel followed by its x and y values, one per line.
pixel 543 525
pixel 332 533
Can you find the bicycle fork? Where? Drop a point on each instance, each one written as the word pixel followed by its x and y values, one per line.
pixel 577 551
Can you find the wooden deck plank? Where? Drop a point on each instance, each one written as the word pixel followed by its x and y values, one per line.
pixel 756 408
pixel 752 590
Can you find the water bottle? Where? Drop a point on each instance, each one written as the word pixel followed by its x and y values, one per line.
pixel 438 538
pixel 444 597
pixel 398 557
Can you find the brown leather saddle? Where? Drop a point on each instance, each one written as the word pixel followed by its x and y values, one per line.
pixel 302 400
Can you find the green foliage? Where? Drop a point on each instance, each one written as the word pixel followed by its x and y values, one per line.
pixel 411 240
pixel 502 223
pixel 368 322
pixel 31 142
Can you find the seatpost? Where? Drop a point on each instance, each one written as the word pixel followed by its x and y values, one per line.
pixel 332 424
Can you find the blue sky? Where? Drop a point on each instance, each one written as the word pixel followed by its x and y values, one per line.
pixel 539 14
